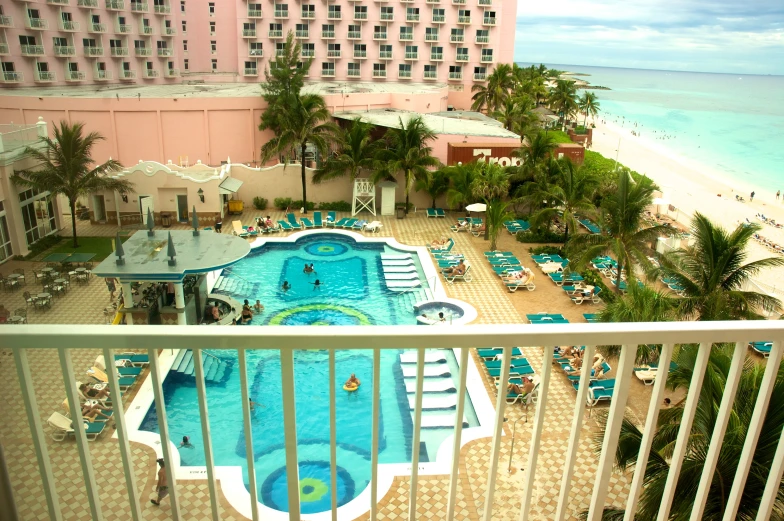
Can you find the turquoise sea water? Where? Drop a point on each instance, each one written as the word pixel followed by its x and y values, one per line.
pixel 737 121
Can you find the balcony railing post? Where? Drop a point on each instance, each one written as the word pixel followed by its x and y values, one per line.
pixel 374 433
pixel 498 431
pixel 651 423
pixel 773 483
pixel 88 475
pixel 122 435
pixel 755 426
pixel 290 431
pixel 574 437
pixel 201 394
pixel 420 382
pixel 247 425
pixel 689 412
pixel 333 446
pixel 536 436
pixel 37 434
pixel 456 443
pixel 163 427
pixel 612 430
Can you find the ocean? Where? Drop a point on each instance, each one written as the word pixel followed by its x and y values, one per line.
pixel 731 123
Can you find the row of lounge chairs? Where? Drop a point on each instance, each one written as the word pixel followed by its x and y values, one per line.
pixel 518 225
pixel 590 226
pixel 511 271
pixel 128 366
pixel 546 318
pixel 446 259
pixel 436 212
pixel 518 368
pixel 291 223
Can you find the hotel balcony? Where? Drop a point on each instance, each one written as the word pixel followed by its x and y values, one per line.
pixel 431 37
pixel 74 76
pixel 69 26
pixel 384 55
pixel 455 76
pixel 412 56
pixel 38 24
pixel 485 2
pixel 169 31
pixel 439 19
pixel 379 74
pixel 87 3
pixel 280 52
pixel 3 48
pixel 431 75
pixel 436 56
pixel 100 75
pixel 488 21
pixel 6 21
pixel 407 37
pixel 360 55
pixel 308 53
pixel 124 28
pixel 387 17
pixel 251 71
pixel 483 40
pixel 464 20
pixel 12 77
pixel 333 54
pixel 302 35
pixel 461 58
pixel 165 52
pixel 275 33
pixel 254 13
pixel 327 35
pixel 360 16
pixel 404 75
pixel 97 28
pixel 57 2
pixel 480 76
pixel 412 18
pixel 457 38
pixel 172 73
pixel 139 7
pixel 93 51
pixel 256 53
pixel 150 73
pixel 281 15
pixel 44 76
pixel 334 15
pixel 143 51
pixel 327 73
pixel 355 35
pixel 127 75
pixel 353 73
pixel 115 5
pixel 32 50
pixel 308 15
pixel 434 2
pixel 162 9
pixel 64 51
pixel 486 58
pixel 249 33
pixel 576 476
pixel 148 30
pixel 458 2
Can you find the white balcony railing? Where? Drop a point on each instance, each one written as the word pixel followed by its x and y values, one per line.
pixel 431 37
pixel 405 75
pixel 455 75
pixel 254 13
pixel 480 76
pixel 162 9
pixel 436 56
pixel 308 53
pixel 139 7
pixel 6 21
pixel 488 20
pixel 439 18
pixel 37 23
pixel 406 37
pixel 97 28
pixel 486 58
pixel 482 39
pixel 328 34
pixel 379 74
pixel 387 17
pixel 12 77
pixel 32 50
pixel 102 75
pixel 285 341
pixel 379 36
pixel 249 33
pixel 275 33
pixel 143 51
pixel 119 51
pixel 150 73
pixel 172 73
pixel 4 48
pixel 333 54
pixel 302 34
pixel 148 30
pixel 251 71
pixel 74 76
pixel 461 58
pixel 68 25
pixel 412 56
pixel 124 28
pixel 327 73
pixel 127 74
pixel 464 19
pixel 355 35
pixel 64 50
pixel 256 53
pixel 353 73
pixel 44 76
pixel 87 3
pixel 360 54
pixel 360 16
pixel 281 14
pixel 385 55
pixel 334 15
pixel 431 75
pixel 164 51
pixel 115 5
pixel 456 38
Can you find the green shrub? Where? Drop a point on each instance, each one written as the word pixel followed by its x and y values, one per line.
pixel 594 278
pixel 41 245
pixel 296 205
pixel 281 203
pixel 336 206
pixel 546 250
pixel 559 136
pixel 580 130
pixel 259 203
pixel 540 237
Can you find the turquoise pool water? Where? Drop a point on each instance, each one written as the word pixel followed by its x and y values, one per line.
pixel 353 292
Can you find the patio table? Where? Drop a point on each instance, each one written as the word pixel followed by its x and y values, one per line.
pixel 80 257
pixel 56 257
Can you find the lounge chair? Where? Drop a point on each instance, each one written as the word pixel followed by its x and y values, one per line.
pixel 286 227
pixel 99 375
pixel 646 375
pixel 591 317
pixel 603 390
pixel 340 223
pixel 431 212
pixel 348 224
pixel 490 254
pixel 137 359
pixel 63 427
pixel 440 212
pixel 374 226
pixel 560 279
pixel 514 362
pixel 466 276
pixel 503 261
pixel 359 225
pixel 514 284
pixel 317 222
pixel 307 223
pixel 497 351
pixel 762 348
pixel 238 229
pixel 575 378
pixel 293 221
pixel 331 219
pixel 450 243
pixel 520 370
pixel 594 298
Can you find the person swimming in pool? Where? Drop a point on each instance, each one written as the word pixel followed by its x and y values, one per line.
pixel 353 381
pixel 317 284
pixel 308 268
pixel 286 286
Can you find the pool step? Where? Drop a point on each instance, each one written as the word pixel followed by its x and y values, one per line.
pixel 431 357
pixel 431 370
pixel 441 385
pixel 403 284
pixel 395 256
pixel 396 262
pixel 215 369
pixel 400 269
pixel 439 421
pixel 448 401
pixel 401 276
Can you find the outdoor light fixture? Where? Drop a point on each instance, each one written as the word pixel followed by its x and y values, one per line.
pixel 124 197
pixel 201 194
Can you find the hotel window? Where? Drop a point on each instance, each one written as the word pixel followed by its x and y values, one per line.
pixel 327 68
pixel 256 49
pixel 380 32
pixel 360 12
pixel 214 64
pixel 431 71
pixel 462 54
pixel 379 69
pixel 412 52
pixel 406 33
pixel 37 214
pixel 62 42
pixel 436 53
pixel 308 50
pixel 212 28
pixel 87 42
pixel 211 6
pixel 480 72
pixel 185 64
pixel 387 14
pixel 463 16
pixel 149 66
pixel 327 31
pixel 354 32
pixel 333 12
pixel 455 71
pixel 487 55
pixel 457 35
pixel 353 70
pixel 182 8
pixel 280 49
pixel 115 44
pixel 404 70
pixel 126 66
pixel 431 34
pixel 412 14
pixel 308 11
pixel 250 67
pixel 6 251
pixel 184 26
pixel 137 44
pixel 482 36
pixel 302 31
pixel 360 50
pixel 281 10
pixel 385 51
pixel 185 45
pixel 213 46
pixel 438 15
pixel 333 50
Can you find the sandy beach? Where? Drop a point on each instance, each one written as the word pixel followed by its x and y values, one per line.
pixel 691 187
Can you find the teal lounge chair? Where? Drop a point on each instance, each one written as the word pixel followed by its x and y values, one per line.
pixel 63 427
pixel 519 371
pixel 349 223
pixel 307 223
pixel 285 226
pixel 603 391
pixel 762 348
pixel 129 371
pixel 340 223
pixel 493 352
pixel 331 218
pixel 293 221
pixel 591 317
pixel 515 362
pixel 317 222
pixel 431 212
pixel 137 359
pixel 359 225
pixel 440 212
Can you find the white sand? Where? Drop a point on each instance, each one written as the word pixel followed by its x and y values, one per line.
pixel 693 187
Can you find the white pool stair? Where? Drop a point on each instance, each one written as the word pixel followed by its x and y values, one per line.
pixel 395 256
pixel 431 370
pixel 439 420
pixel 403 262
pixel 403 284
pixel 399 269
pixel 430 357
pixel 447 401
pixel 431 386
pixel 401 276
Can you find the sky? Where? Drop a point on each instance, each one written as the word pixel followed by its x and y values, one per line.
pixel 738 36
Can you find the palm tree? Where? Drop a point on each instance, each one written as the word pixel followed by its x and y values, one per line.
pixel 461 177
pixel 712 273
pixel 623 230
pixel 535 150
pixel 307 121
pixel 356 151
pixel 664 438
pixel 495 91
pixel 495 216
pixel 588 105
pixel 563 99
pixel 65 166
pixel 433 184
pixel 570 195
pixel 491 185
pixel 407 153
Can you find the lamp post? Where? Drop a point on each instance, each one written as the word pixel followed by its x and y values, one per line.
pixel 617 153
pixel 511 449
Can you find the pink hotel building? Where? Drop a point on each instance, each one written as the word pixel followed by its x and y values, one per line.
pixel 99 42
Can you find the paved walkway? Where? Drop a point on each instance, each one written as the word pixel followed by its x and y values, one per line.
pixel 85 304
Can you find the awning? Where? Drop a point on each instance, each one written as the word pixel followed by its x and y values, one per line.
pixel 229 186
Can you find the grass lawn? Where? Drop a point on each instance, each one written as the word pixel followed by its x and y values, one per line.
pixel 100 246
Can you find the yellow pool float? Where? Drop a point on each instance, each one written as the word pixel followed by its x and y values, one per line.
pixel 350 388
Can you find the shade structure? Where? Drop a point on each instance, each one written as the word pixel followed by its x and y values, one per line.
pixel 660 200
pixel 477 207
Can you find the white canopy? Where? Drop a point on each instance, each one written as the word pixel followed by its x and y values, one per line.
pixel 476 207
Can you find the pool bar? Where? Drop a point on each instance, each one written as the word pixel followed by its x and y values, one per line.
pixel 20 339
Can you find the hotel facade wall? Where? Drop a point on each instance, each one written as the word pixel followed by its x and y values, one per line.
pixel 167 41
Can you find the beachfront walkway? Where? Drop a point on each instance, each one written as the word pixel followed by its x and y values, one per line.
pixel 495 305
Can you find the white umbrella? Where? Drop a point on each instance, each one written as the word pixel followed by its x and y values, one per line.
pixel 476 207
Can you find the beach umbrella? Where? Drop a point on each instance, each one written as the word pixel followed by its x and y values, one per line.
pixel 477 207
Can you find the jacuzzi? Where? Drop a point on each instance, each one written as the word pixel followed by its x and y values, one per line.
pixel 455 312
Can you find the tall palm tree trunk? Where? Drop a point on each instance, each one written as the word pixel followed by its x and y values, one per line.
pixel 304 181
pixel 72 204
pixel 408 188
pixel 618 278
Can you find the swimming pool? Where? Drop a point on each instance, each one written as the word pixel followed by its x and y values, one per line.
pixel 354 291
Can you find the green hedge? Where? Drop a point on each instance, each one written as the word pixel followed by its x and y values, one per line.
pixel 540 237
pixel 559 137
pixel 546 250
pixel 41 245
pixel 594 278
pixel 259 203
pixel 336 206
pixel 281 203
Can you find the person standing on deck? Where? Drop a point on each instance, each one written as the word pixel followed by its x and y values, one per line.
pixel 162 487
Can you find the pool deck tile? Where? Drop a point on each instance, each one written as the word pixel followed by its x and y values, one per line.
pixel 85 305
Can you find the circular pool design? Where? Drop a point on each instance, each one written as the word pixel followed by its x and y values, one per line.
pixel 315 494
pixel 320 315
pixel 326 248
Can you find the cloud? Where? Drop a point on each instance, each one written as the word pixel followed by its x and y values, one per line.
pixel 720 36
